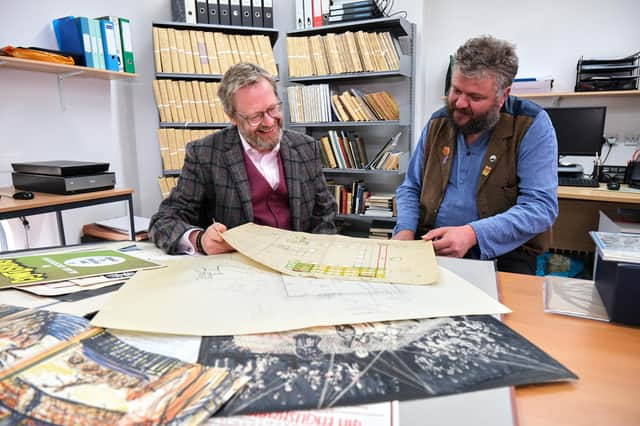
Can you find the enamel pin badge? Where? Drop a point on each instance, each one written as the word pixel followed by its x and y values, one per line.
pixel 445 154
pixel 487 169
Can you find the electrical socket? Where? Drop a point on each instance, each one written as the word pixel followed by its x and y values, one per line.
pixel 611 140
pixel 632 140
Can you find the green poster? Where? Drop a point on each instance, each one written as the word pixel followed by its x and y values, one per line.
pixel 48 267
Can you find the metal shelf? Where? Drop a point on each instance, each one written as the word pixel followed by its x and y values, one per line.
pixel 228 29
pixel 362 172
pixel 363 218
pixel 194 125
pixel 350 124
pixel 183 76
pixel 398 26
pixel 350 76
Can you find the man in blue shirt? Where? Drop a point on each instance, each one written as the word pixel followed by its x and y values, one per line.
pixel 482 182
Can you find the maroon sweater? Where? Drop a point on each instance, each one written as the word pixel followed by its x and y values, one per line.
pixel 270 207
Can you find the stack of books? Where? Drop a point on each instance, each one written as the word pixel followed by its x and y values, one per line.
pixel 309 104
pixel 343 149
pixel 183 101
pixel 173 144
pixel 347 52
pixel 204 52
pixel 380 230
pixel 354 105
pixel 381 204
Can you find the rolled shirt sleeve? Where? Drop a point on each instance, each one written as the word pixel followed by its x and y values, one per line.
pixel 408 193
pixel 536 207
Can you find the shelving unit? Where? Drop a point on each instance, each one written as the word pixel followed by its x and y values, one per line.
pixel 272 34
pixel 374 133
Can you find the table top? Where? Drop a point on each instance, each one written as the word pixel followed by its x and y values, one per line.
pixel 42 199
pixel 605 356
pixel 624 195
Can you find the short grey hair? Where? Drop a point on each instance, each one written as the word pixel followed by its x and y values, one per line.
pixel 239 76
pixel 480 56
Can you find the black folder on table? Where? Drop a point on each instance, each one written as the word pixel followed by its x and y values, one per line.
pixel 235 12
pixel 246 13
pixel 224 12
pixel 256 11
pixel 212 7
pixel 267 13
pixel 202 13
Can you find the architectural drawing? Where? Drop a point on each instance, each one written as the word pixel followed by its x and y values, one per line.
pixel 229 295
pixel 373 362
pixel 336 256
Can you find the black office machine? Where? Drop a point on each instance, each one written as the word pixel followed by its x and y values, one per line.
pixel 62 177
pixel 608 74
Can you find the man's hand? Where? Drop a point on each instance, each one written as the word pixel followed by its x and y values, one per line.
pixel 404 235
pixel 211 240
pixel 452 241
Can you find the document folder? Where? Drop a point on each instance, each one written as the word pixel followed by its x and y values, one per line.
pixel 235 12
pixel 246 13
pixel 224 12
pixel 214 16
pixel 202 13
pixel 267 13
pixel 109 45
pixel 256 11
pixel 73 36
pixel 127 46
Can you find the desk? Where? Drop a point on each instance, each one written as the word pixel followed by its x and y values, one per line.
pixel 605 356
pixel 47 203
pixel 579 209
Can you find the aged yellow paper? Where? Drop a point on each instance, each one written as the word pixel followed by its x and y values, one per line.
pixel 336 256
pixel 229 294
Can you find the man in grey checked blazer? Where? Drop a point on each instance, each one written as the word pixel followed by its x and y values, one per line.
pixel 215 191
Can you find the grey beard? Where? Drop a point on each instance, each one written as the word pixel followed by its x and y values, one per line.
pixel 475 124
pixel 260 145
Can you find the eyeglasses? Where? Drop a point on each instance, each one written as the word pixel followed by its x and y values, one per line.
pixel 274 111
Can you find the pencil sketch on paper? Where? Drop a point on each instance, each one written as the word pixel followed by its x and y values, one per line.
pixel 373 362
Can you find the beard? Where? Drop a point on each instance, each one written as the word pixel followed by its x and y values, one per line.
pixel 263 143
pixel 476 123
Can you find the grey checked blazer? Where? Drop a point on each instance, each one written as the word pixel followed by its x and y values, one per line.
pixel 214 184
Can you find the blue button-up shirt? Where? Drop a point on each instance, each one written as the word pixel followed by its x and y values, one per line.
pixel 536 207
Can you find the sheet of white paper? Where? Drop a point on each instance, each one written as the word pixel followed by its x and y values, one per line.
pixel 184 348
pixel 380 414
pixel 229 295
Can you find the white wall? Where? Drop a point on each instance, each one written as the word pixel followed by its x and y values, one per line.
pixel 550 37
pixel 102 120
pixel 117 121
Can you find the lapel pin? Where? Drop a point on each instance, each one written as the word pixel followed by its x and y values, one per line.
pixel 486 171
pixel 492 158
pixel 445 153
